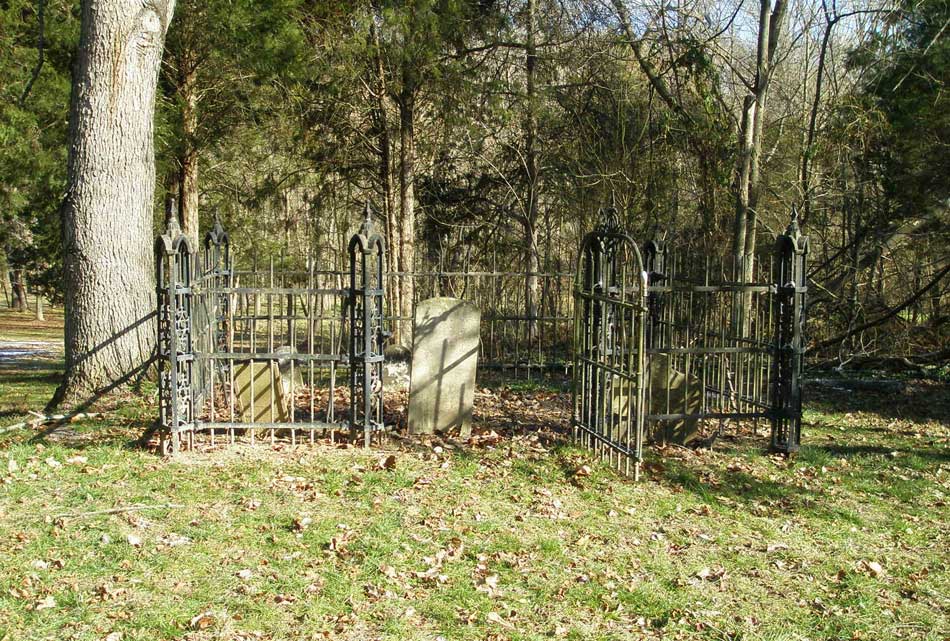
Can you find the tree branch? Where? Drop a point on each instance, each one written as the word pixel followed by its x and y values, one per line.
pixel 892 313
pixel 40 46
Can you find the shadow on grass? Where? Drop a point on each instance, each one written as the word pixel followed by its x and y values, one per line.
pixel 739 489
pixel 118 433
pixel 36 375
pixel 921 401
pixel 839 451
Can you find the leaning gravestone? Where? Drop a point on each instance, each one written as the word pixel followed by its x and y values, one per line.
pixel 685 397
pixel 445 336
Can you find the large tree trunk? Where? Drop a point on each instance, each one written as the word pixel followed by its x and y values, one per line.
pixel 407 232
pixel 107 211
pixel 532 263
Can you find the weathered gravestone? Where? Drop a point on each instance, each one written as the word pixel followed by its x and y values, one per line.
pixel 290 373
pixel 261 382
pixel 685 397
pixel 444 358
pixel 396 368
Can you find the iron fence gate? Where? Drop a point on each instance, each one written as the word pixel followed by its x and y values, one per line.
pixel 609 357
pixel 251 354
pixel 666 342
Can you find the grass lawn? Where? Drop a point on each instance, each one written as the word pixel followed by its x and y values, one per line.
pixel 504 540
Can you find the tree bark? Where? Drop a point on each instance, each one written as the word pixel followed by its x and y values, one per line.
pixel 19 290
pixel 107 211
pixel 771 20
pixel 188 163
pixel 407 233
pixel 752 125
pixel 386 181
pixel 532 263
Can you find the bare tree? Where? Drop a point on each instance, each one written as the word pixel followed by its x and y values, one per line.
pixel 771 19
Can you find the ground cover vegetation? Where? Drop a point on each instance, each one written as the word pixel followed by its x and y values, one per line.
pixel 515 534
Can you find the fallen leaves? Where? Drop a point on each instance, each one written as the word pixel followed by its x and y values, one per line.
pixel 494 617
pixel 716 575
pixel 202 621
pixel 872 568
pixel 489 585
pixel 386 463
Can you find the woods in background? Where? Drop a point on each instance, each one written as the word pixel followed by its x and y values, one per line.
pixel 487 134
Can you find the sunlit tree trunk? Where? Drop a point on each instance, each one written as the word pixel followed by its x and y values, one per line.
pixel 19 290
pixel 386 181
pixel 771 19
pixel 188 162
pixel 407 223
pixel 532 256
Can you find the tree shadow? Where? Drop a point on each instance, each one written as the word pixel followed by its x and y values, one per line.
pixel 742 489
pixel 919 401
pixel 133 377
pixel 848 451
pixel 126 435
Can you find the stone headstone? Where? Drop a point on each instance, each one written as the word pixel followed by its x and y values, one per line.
pixel 396 368
pixel 685 397
pixel 290 372
pixel 270 401
pixel 445 338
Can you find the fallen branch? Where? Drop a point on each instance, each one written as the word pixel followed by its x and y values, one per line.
pixel 118 510
pixel 47 419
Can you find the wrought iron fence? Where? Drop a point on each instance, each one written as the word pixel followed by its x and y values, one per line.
pixel 264 357
pixel 702 347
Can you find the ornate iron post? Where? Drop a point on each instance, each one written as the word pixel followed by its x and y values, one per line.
pixel 174 264
pixel 654 263
pixel 789 344
pixel 217 273
pixel 367 331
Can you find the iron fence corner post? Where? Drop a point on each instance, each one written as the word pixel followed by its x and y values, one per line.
pixel 174 258
pixel 368 351
pixel 789 341
pixel 642 369
pixel 367 332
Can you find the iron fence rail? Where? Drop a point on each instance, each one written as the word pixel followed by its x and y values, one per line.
pixel 713 347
